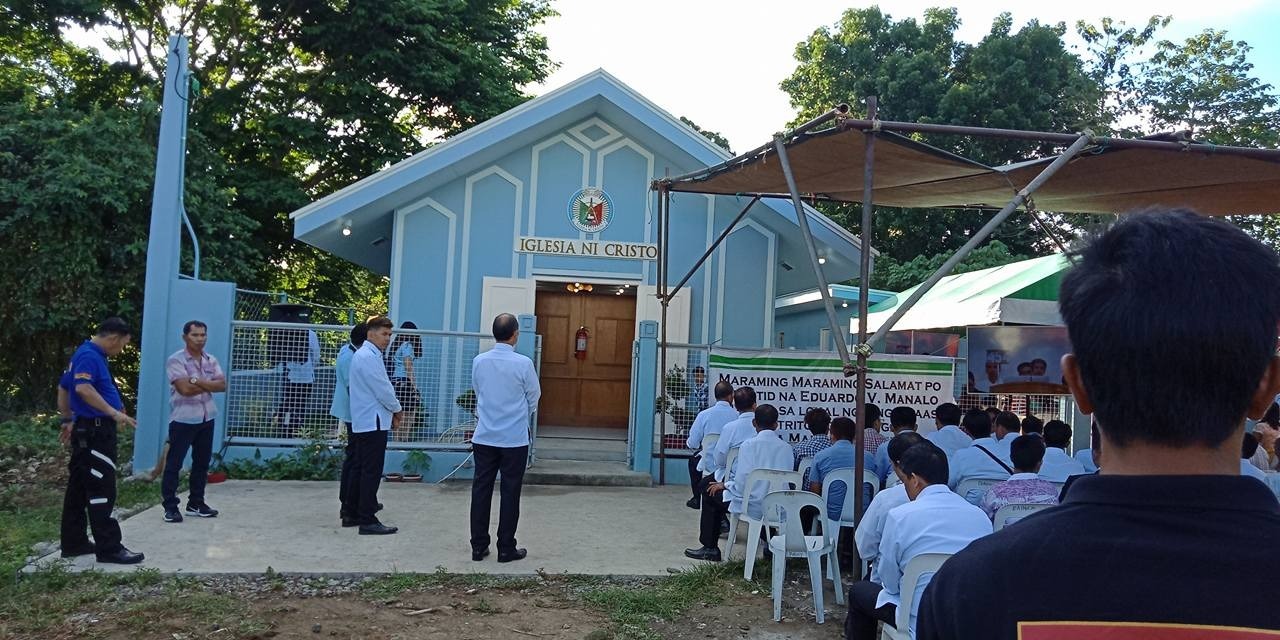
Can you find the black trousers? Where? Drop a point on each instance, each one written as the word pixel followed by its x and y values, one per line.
pixel 91 486
pixel 860 623
pixel 695 476
pixel 511 462
pixel 199 439
pixel 347 486
pixel 371 451
pixel 714 509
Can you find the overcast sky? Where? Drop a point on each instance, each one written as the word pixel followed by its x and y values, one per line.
pixel 719 62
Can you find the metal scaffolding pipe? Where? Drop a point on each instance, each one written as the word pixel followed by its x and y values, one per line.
pixel 864 291
pixel 1017 201
pixel 803 219
pixel 664 234
pixel 707 254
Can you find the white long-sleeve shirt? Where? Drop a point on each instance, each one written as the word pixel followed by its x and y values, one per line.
pixel 710 421
pixel 507 393
pixel 733 434
pixel 971 462
pixel 950 439
pixel 765 451
pixel 305 372
pixel 937 521
pixel 871 529
pixel 1058 466
pixel 373 399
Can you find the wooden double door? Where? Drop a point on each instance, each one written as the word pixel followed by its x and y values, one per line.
pixel 594 391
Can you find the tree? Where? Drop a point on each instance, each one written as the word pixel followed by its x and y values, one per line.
pixel 714 137
pixel 1111 48
pixel 894 275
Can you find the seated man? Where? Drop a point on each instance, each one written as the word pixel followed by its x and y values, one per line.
pixel 1058 465
pixel 871 528
pixel 819 422
pixel 1005 428
pixel 1024 486
pixel 838 456
pixel 1170 376
pixel 1247 450
pixel 901 420
pixel 735 432
pixel 935 521
pixel 979 460
pixel 872 437
pixel 1032 424
pixel 949 436
pixel 710 421
pixel 765 451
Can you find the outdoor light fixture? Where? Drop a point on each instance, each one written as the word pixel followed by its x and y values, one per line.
pixel 577 287
pixel 346 229
pixel 844 304
pixel 822 260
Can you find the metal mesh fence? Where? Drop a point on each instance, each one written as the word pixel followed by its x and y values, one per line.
pixel 683 393
pixel 282 380
pixel 255 306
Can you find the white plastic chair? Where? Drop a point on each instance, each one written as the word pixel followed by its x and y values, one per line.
pixel 832 527
pixel 806 463
pixel 976 487
pixel 709 442
pixel 779 480
pixel 1011 513
pixel 782 510
pixel 891 479
pixel 918 566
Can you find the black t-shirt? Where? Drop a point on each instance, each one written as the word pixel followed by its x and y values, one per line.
pixel 1166 555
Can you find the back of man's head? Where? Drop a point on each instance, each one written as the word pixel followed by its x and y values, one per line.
pixel 902 418
pixel 1008 421
pixel 504 327
pixel 766 417
pixel 948 413
pixel 744 399
pixel 1032 424
pixel 359 334
pixel 723 390
pixel 873 414
pixel 977 423
pixel 1249 446
pixel 112 327
pixel 1156 368
pixel 818 420
pixel 843 428
pixel 1057 434
pixel 900 443
pixel 927 462
pixel 1027 452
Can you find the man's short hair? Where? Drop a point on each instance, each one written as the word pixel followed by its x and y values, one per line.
pixel 723 390
pixel 359 334
pixel 191 324
pixel 505 326
pixel 902 417
pixel 1057 434
pixel 977 423
pixel 873 414
pixel 843 428
pixel 1026 452
pixel 744 398
pixel 114 326
pixel 948 413
pixel 1007 420
pixel 1157 368
pixel 1249 446
pixel 699 369
pixel 926 460
pixel 378 322
pixel 817 419
pixel 1031 424
pixel 899 444
pixel 766 416
pixel 1272 416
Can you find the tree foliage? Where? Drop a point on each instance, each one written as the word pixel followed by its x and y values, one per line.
pixel 714 137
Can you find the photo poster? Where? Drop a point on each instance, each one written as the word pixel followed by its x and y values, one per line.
pixel 796 381
pixel 1017 359
pixel 926 343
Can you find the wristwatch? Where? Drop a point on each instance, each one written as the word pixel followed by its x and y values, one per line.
pixel 193 380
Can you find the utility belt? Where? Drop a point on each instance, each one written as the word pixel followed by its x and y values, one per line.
pixel 94 422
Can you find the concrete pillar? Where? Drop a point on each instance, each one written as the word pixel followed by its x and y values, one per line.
pixel 646 395
pixel 527 342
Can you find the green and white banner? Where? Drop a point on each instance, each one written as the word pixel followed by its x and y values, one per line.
pixel 796 381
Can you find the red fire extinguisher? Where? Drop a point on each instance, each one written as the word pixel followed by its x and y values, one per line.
pixel 580 344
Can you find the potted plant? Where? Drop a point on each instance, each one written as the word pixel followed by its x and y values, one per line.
pixel 415 463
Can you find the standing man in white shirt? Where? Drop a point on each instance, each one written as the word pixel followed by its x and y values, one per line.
pixel 195 376
pixel 375 411
pixel 935 521
pixel 507 393
pixel 710 421
pixel 299 376
pixel 949 437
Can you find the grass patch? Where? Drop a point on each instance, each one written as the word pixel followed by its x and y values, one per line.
pixel 392 585
pixel 632 608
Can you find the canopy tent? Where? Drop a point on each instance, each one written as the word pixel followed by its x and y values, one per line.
pixel 1024 292
pixel 872 162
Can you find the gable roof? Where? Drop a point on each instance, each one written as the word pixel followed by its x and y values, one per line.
pixel 366 205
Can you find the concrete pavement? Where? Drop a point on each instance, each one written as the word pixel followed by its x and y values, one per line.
pixel 293 527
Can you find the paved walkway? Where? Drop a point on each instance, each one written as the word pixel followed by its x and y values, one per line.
pixel 293 527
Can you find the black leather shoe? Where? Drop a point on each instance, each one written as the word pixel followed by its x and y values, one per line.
pixel 377 508
pixel 123 556
pixel 481 554
pixel 694 502
pixel 518 554
pixel 78 550
pixel 350 522
pixel 710 554
pixel 377 529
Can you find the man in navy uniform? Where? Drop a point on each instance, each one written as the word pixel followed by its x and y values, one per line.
pixel 97 410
